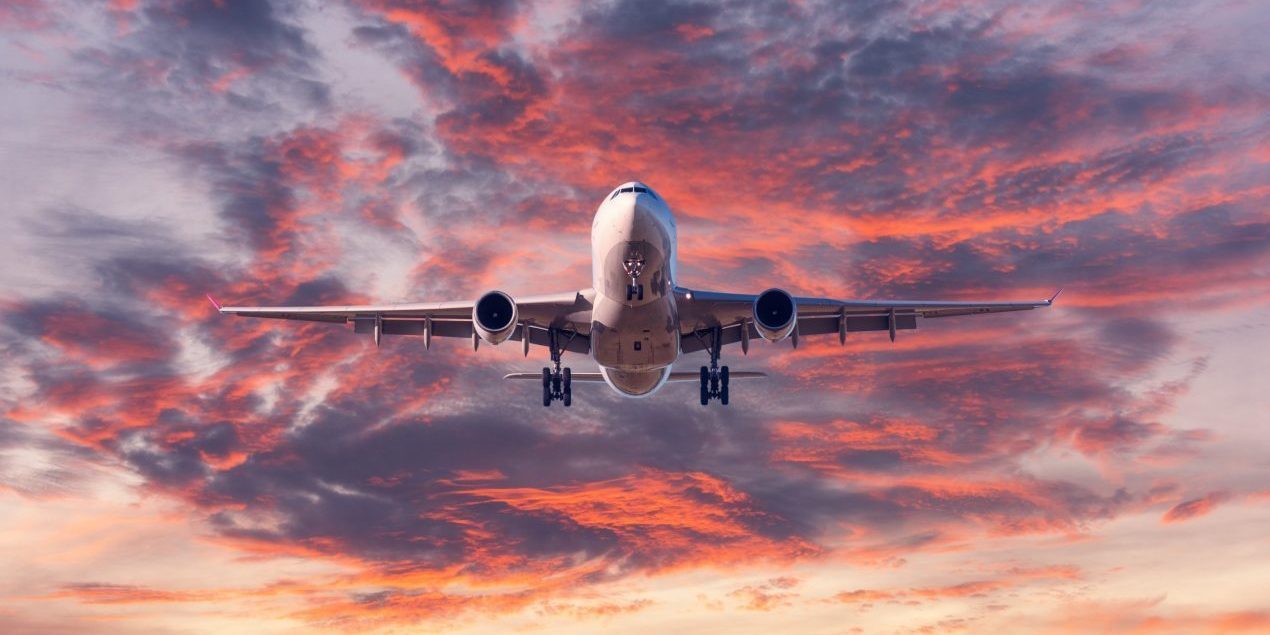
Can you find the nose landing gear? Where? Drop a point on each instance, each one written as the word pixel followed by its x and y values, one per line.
pixel 714 378
pixel 557 382
pixel 634 267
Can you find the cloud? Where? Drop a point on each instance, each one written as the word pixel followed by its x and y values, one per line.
pixel 770 595
pixel 186 68
pixel 872 150
pixel 1195 507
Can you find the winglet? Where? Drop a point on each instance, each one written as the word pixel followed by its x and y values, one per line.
pixel 1055 296
pixel 213 301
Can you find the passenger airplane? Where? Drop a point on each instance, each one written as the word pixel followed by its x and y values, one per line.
pixel 634 321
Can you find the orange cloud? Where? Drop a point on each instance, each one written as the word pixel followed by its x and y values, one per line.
pixel 687 518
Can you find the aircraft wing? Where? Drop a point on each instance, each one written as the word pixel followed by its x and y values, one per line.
pixel 570 312
pixel 701 311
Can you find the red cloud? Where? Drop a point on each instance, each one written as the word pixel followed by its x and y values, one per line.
pixel 688 518
pixel 916 162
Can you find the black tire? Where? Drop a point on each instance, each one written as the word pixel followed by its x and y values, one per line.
pixel 568 397
pixel 705 386
pixel 723 385
pixel 567 389
pixel 546 386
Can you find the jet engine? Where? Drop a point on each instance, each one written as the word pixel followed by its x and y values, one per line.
pixel 775 314
pixel 494 317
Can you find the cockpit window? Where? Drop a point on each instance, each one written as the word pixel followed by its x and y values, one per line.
pixel 633 189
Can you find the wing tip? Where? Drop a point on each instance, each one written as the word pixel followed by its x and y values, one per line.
pixel 1054 297
pixel 213 301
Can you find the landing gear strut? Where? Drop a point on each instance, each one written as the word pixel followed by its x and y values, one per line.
pixel 557 382
pixel 634 266
pixel 714 379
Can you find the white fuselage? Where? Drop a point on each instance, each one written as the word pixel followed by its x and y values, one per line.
pixel 635 323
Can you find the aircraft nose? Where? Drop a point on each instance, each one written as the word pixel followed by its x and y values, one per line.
pixel 625 212
pixel 629 215
pixel 643 218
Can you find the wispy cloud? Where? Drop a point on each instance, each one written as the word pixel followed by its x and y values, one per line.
pixel 866 149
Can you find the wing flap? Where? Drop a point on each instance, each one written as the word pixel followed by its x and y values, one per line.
pixel 822 324
pixel 286 315
pixel 440 327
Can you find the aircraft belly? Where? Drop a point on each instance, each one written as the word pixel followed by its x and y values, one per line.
pixel 643 337
pixel 636 383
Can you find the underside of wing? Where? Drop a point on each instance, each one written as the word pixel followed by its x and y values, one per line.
pixel 730 317
pixel 568 315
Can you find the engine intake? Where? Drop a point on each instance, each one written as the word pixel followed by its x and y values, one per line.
pixel 494 317
pixel 775 314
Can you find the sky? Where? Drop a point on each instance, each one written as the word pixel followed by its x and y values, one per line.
pixel 1095 467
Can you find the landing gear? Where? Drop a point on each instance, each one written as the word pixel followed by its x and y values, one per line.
pixel 557 382
pixel 714 384
pixel 714 378
pixel 634 267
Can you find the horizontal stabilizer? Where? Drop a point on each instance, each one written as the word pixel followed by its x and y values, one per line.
pixel 591 377
pixel 674 376
pixel 683 375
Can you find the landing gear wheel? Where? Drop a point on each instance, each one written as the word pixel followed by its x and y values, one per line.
pixel 557 382
pixel 714 379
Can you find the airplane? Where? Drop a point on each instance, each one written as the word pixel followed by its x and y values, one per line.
pixel 635 321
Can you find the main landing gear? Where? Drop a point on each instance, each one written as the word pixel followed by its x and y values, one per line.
pixel 714 379
pixel 557 382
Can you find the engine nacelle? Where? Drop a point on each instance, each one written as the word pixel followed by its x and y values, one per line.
pixel 494 317
pixel 775 314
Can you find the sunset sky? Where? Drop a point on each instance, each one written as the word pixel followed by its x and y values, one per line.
pixel 1096 467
